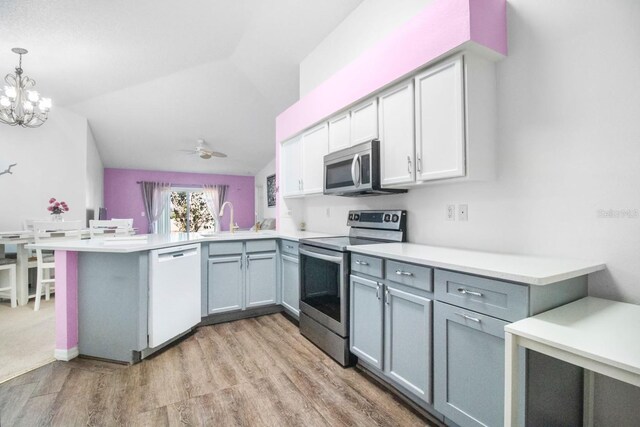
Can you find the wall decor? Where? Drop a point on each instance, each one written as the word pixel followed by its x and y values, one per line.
pixel 271 191
pixel 8 170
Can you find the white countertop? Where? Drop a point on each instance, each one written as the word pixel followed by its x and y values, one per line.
pixel 516 268
pixel 592 328
pixel 146 242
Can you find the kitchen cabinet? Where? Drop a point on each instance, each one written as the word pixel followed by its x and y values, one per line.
pixel 241 275
pixel 291 167
pixel 315 145
pixel 366 320
pixel 397 138
pixel 440 127
pixel 289 266
pixel 340 132
pixel 364 121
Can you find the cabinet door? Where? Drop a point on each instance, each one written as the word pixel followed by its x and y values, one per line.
pixel 261 279
pixel 290 283
pixel 468 366
pixel 408 325
pixel 340 132
pixel 315 145
pixel 364 122
pixel 366 320
pixel 440 128
pixel 225 284
pixel 397 139
pixel 291 167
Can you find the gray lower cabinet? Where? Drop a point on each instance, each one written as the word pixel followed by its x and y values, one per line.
pixel 407 348
pixel 366 327
pixel 391 331
pixel 225 284
pixel 469 366
pixel 290 271
pixel 260 279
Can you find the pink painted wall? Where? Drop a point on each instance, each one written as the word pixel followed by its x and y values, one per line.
pixel 123 196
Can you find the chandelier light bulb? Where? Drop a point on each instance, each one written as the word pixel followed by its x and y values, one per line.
pixel 5 102
pixel 33 95
pixel 10 91
pixel 28 107
pixel 45 104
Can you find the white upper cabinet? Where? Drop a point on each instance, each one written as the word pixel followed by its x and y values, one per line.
pixel 340 132
pixel 364 121
pixel 291 167
pixel 440 126
pixel 397 138
pixel 315 145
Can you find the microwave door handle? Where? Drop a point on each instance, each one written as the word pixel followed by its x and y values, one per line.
pixel 355 166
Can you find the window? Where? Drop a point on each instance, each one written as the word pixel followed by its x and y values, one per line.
pixel 188 211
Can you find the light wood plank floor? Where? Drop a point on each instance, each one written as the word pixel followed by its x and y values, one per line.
pixel 253 372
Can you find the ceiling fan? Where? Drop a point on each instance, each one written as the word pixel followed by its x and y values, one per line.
pixel 203 150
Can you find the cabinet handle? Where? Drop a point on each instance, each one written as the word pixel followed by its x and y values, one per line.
pixel 240 263
pixel 378 290
pixel 289 246
pixel 419 163
pixel 404 273
pixel 247 261
pixel 386 296
pixel 467 291
pixel 473 319
pixel 409 164
pixel 361 262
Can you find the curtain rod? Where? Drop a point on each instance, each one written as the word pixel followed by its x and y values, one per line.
pixel 182 185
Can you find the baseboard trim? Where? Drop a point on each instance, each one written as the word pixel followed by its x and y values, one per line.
pixel 231 316
pixel 66 355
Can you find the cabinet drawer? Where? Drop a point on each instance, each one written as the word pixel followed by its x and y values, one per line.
pixel 225 248
pixel 261 246
pixel 416 276
pixel 366 265
pixel 289 247
pixel 503 300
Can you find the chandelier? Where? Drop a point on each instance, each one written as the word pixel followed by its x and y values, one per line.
pixel 18 104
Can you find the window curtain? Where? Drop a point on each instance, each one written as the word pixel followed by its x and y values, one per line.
pixel 215 195
pixel 154 195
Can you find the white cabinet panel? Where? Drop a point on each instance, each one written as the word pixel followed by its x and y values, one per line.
pixel 364 122
pixel 290 283
pixel 315 145
pixel 440 130
pixel 397 139
pixel 291 167
pixel 340 132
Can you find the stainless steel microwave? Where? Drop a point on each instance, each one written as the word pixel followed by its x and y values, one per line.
pixel 355 171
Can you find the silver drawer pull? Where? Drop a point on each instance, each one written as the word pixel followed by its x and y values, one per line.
pixel 473 319
pixel 361 262
pixel 404 273
pixel 467 291
pixel 289 247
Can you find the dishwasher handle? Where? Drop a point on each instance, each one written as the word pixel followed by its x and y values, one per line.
pixel 176 253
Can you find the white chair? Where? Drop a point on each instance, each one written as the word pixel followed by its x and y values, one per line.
pixel 112 227
pixel 44 231
pixel 9 265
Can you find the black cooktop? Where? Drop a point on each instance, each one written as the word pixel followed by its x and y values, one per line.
pixel 339 243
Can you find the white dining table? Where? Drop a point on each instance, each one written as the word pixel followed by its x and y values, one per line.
pixel 21 239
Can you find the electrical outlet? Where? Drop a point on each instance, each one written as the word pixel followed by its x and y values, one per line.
pixel 463 212
pixel 451 212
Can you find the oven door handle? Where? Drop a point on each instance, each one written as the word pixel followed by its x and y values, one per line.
pixel 334 259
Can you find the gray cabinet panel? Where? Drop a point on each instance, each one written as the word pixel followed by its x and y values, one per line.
pixel 468 366
pixel 261 279
pixel 409 274
pixel 366 320
pixel 289 247
pixel 261 246
pixel 368 265
pixel 499 299
pixel 225 284
pixel 407 356
pixel 290 283
pixel 225 248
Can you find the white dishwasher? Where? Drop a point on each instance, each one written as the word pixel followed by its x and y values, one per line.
pixel 174 292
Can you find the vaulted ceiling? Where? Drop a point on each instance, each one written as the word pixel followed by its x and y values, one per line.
pixel 153 76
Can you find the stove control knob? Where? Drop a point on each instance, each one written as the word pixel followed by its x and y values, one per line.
pixel 387 217
pixel 350 217
pixel 395 218
pixel 356 217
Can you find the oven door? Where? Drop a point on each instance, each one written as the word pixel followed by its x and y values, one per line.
pixel 324 287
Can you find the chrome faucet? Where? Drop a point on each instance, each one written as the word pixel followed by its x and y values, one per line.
pixel 232 226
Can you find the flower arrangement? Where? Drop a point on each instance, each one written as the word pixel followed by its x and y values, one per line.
pixel 56 207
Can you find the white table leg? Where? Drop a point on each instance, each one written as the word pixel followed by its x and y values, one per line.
pixel 511 377
pixel 22 273
pixel 587 407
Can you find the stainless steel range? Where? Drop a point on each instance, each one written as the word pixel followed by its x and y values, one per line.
pixel 324 278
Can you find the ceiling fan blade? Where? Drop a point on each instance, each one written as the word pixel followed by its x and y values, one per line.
pixel 217 154
pixel 188 151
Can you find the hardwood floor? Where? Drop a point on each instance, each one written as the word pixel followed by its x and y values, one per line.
pixel 253 372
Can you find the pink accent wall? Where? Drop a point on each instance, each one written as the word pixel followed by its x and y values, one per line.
pixel 441 27
pixel 123 196
pixel 66 301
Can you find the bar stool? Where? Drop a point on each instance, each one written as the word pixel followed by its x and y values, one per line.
pixel 9 265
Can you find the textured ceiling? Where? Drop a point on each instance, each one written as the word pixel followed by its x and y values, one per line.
pixel 153 76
